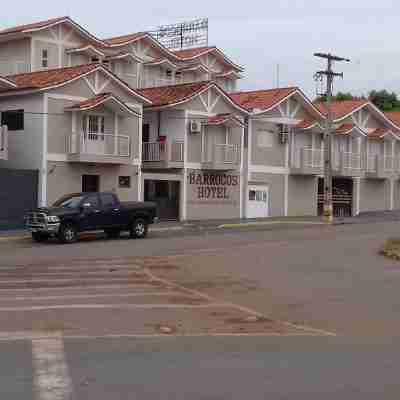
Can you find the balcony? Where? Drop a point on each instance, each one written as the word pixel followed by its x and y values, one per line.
pixel 379 167
pixel 222 157
pixel 347 164
pixel 161 155
pixel 3 143
pixel 98 148
pixel 307 161
pixel 13 68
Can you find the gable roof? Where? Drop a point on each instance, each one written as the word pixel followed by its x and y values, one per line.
pixel 306 124
pixel 341 109
pixel 192 54
pixel 261 101
pixel 6 83
pixel 124 39
pixel 222 119
pixel 38 26
pixel 52 78
pixel 394 116
pixel 169 96
pixel 99 100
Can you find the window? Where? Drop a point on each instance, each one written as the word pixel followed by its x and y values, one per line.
pixel 45 58
pixel 265 139
pixel 252 195
pixel 94 60
pixel 124 181
pixel 93 200
pixel 93 126
pixel 108 200
pixel 14 119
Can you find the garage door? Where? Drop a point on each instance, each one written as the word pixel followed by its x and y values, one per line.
pixel 258 202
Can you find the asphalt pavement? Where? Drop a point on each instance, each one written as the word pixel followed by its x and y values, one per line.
pixel 305 312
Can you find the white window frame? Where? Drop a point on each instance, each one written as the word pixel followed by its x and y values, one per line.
pixel 101 125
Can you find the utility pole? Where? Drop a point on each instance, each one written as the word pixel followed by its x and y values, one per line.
pixel 330 75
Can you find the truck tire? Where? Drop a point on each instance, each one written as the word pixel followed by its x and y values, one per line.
pixel 112 233
pixel 139 228
pixel 39 237
pixel 68 233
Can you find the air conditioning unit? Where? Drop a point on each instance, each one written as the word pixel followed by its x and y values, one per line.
pixel 195 126
pixel 283 133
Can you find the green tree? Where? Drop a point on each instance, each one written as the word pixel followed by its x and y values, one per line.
pixel 384 100
pixel 340 96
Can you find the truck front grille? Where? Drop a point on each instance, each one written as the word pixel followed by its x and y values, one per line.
pixel 36 218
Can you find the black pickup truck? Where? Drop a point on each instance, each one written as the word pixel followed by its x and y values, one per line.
pixel 81 212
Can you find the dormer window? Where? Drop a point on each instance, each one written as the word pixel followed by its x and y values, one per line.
pixel 45 58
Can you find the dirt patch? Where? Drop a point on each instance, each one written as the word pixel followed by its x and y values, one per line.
pixel 192 301
pixel 391 249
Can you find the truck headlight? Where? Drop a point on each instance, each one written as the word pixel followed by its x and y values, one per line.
pixel 52 219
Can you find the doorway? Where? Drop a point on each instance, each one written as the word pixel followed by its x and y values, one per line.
pixel 258 202
pixel 342 197
pixel 166 195
pixel 90 183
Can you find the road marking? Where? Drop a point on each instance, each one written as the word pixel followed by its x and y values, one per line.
pixel 78 279
pixel 235 306
pixel 39 336
pixel 109 306
pixel 90 296
pixel 95 287
pixel 51 377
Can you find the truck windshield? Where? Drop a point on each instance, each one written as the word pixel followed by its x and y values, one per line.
pixel 69 202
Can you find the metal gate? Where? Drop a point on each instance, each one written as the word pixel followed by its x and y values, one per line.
pixel 342 196
pixel 18 194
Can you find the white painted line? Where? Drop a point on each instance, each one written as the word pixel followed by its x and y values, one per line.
pixel 17 336
pixel 172 228
pixel 51 377
pixel 78 279
pixel 89 296
pixel 127 306
pixel 95 287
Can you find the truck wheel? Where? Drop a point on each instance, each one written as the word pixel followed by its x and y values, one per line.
pixel 39 237
pixel 68 234
pixel 112 233
pixel 139 229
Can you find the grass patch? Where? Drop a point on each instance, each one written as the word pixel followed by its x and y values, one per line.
pixel 391 249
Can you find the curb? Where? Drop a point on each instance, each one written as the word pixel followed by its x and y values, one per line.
pixel 247 224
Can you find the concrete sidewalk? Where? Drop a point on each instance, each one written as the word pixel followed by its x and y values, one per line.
pixel 195 226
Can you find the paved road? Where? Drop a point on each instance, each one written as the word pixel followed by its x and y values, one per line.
pixel 257 308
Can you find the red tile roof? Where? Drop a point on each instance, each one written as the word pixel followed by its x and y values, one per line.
pixel 192 53
pixel 118 40
pixel 306 124
pixel 344 129
pixel 97 101
pixel 167 95
pixel 262 99
pixel 394 116
pixel 378 133
pixel 33 26
pixel 342 108
pixel 221 119
pixel 50 77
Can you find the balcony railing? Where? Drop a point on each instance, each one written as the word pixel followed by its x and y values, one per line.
pixel 307 161
pixel 13 68
pixel 163 154
pixel 381 167
pixel 222 156
pixel 100 147
pixel 3 143
pixel 157 82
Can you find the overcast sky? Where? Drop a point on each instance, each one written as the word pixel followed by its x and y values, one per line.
pixel 258 34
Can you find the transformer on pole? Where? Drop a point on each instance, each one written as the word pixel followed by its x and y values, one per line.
pixel 319 76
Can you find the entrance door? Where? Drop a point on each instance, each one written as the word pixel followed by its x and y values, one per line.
pixel 90 183
pixel 94 140
pixel 258 202
pixel 342 197
pixel 166 195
